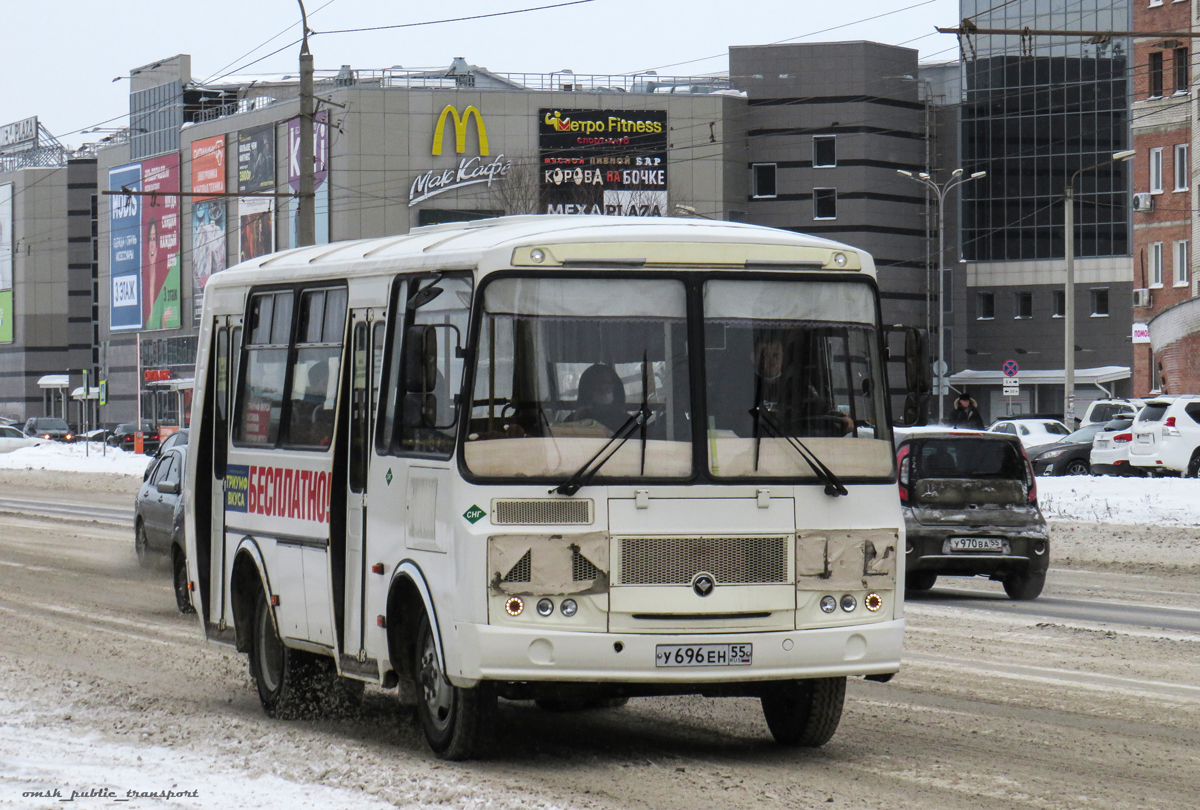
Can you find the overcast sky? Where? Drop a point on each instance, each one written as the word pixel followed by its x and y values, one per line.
pixel 59 59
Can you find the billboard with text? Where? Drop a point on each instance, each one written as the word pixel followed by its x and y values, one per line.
pixel 208 215
pixel 161 298
pixel 256 173
pixel 125 249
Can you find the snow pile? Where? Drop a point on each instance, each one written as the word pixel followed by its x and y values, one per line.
pixel 42 767
pixel 1132 501
pixel 94 458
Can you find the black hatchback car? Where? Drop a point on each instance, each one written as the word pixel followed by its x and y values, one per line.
pixel 1070 455
pixel 49 427
pixel 158 521
pixel 970 509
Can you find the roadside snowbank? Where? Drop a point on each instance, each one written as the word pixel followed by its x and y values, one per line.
pixel 1131 501
pixel 92 458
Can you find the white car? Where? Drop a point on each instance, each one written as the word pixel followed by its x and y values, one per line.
pixel 1166 436
pixel 1110 449
pixel 1032 432
pixel 1106 410
pixel 13 439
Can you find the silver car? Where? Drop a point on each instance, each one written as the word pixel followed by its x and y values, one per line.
pixel 158 521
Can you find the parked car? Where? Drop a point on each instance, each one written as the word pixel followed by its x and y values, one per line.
pixel 1070 455
pixel 970 509
pixel 1166 436
pixel 122 436
pixel 1031 432
pixel 13 439
pixel 1110 449
pixel 49 427
pixel 1101 411
pixel 158 521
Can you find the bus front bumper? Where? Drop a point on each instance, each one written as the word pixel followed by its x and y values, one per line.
pixel 488 652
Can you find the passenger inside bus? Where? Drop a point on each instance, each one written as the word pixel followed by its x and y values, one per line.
pixel 312 421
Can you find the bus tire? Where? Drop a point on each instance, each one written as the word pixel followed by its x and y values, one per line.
pixel 805 713
pixel 456 721
pixel 284 677
pixel 179 578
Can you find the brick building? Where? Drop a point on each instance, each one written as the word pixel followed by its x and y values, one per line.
pixel 1164 201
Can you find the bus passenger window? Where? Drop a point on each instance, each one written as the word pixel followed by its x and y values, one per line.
pixel 315 374
pixel 260 400
pixel 448 314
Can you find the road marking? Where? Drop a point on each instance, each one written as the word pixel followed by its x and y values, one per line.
pixel 1107 602
pixel 1089 680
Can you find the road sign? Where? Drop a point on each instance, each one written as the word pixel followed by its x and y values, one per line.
pixel 1012 390
pixel 1010 368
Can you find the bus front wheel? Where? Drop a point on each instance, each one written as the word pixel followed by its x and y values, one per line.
pixel 284 677
pixel 806 712
pixel 456 721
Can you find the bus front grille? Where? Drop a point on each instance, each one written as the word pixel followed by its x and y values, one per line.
pixel 543 512
pixel 677 560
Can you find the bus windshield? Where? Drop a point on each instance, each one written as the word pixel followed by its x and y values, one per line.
pixel 564 363
pixel 793 360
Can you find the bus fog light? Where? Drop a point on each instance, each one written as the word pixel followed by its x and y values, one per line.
pixel 568 607
pixel 514 606
pixel 545 607
pixel 828 604
pixel 849 603
pixel 873 602
pixel 1039 547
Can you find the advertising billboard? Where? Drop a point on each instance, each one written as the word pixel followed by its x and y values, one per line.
pixel 603 162
pixel 125 249
pixel 320 175
pixel 6 316
pixel 208 215
pixel 256 172
pixel 161 298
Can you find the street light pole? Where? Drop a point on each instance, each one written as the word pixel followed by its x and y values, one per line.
pixel 1069 286
pixel 940 191
pixel 306 202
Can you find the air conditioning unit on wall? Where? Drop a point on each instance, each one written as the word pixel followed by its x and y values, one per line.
pixel 1143 202
pixel 1141 298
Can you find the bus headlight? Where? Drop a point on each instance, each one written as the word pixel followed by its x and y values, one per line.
pixel 849 603
pixel 568 607
pixel 514 606
pixel 545 607
pixel 873 602
pixel 828 604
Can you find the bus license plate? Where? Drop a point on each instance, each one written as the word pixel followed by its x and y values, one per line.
pixel 703 655
pixel 976 544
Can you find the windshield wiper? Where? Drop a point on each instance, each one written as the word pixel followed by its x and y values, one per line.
pixel 584 474
pixel 833 486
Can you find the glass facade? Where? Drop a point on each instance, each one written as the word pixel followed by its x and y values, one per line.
pixel 1037 110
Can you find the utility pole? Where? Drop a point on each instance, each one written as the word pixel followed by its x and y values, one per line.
pixel 940 190
pixel 306 218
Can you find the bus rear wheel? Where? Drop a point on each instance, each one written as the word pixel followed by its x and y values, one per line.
pixel 805 713
pixel 285 677
pixel 456 721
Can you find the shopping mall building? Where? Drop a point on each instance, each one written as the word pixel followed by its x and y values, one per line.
pixel 804 137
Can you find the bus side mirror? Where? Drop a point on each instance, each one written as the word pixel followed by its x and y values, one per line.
pixel 420 359
pixel 420 410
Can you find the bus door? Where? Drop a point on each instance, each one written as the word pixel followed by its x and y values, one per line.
pixel 367 331
pixel 227 331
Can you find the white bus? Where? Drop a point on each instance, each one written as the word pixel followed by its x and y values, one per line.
pixel 567 459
